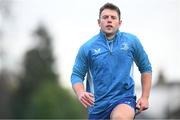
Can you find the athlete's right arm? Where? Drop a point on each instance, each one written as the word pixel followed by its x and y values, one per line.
pixel 86 98
pixel 79 71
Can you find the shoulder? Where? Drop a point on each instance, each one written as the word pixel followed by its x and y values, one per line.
pixel 128 36
pixel 88 44
pixel 85 47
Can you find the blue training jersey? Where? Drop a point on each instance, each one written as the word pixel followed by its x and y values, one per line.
pixel 109 68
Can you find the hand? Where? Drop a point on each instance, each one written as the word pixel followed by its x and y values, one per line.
pixel 86 98
pixel 142 104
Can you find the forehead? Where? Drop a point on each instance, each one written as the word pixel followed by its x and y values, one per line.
pixel 109 12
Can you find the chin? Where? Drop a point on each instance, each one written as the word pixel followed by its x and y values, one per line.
pixel 109 33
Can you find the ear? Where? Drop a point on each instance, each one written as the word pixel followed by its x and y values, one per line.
pixel 98 20
pixel 120 22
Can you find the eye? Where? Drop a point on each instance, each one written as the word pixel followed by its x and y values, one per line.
pixel 105 17
pixel 113 17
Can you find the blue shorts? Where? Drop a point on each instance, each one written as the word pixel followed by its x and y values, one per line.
pixel 131 101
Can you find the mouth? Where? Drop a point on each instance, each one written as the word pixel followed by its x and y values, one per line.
pixel 109 26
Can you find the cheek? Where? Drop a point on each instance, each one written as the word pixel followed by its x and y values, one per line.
pixel 117 25
pixel 102 22
pixel 102 25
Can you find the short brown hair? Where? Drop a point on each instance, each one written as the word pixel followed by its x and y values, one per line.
pixel 111 7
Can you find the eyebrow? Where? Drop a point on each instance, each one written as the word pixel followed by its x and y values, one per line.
pixel 113 16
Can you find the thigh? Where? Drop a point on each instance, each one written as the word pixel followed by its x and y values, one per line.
pixel 105 115
pixel 122 112
pixel 101 116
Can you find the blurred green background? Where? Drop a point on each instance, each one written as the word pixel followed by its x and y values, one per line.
pixel 37 92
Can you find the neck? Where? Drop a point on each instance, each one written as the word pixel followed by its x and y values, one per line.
pixel 110 36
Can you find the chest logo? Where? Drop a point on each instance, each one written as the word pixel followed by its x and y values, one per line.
pixel 124 46
pixel 97 51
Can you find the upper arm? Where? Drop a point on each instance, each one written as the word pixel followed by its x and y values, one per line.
pixel 80 67
pixel 140 57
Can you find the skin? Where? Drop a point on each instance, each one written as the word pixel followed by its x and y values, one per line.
pixel 146 81
pixel 86 98
pixel 109 22
pixel 125 112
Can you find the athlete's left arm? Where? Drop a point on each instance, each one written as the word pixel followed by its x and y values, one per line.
pixel 144 65
pixel 143 101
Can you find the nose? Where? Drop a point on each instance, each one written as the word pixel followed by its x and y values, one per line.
pixel 109 20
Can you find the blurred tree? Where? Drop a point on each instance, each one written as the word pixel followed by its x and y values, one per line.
pixel 39 94
pixel 52 101
pixel 5 93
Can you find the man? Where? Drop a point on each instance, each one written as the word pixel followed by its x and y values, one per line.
pixel 108 58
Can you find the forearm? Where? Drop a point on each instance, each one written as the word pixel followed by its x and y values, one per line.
pixel 146 81
pixel 78 88
pixel 86 98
